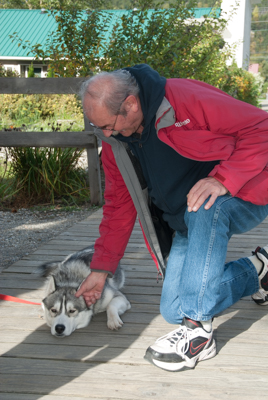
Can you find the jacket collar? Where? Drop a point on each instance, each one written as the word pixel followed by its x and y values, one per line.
pixel 165 115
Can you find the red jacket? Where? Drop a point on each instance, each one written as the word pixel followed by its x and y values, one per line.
pixel 208 125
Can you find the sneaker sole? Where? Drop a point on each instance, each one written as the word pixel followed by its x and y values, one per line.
pixel 260 302
pixel 187 364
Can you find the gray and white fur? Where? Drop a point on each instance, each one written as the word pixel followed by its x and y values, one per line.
pixel 63 311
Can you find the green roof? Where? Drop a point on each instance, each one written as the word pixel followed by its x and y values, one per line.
pixel 30 25
pixel 35 26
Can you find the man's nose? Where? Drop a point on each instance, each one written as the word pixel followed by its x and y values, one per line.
pixel 107 133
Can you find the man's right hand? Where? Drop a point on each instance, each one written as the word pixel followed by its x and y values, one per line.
pixel 92 287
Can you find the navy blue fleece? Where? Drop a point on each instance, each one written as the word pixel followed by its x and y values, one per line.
pixel 169 175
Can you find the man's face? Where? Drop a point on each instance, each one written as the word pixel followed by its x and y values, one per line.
pixel 124 124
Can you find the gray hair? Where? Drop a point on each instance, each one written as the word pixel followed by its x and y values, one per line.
pixel 110 89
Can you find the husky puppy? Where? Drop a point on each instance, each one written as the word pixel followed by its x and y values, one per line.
pixel 63 311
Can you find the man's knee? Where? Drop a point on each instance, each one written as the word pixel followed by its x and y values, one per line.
pixel 170 314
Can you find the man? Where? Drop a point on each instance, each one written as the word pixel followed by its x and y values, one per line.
pixel 203 157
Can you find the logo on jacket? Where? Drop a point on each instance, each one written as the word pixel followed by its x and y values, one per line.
pixel 179 124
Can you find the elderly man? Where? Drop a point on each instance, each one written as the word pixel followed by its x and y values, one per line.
pixel 201 156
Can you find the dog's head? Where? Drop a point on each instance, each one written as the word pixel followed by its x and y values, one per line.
pixel 63 311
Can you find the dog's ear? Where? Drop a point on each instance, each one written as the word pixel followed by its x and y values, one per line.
pixel 47 269
pixel 51 285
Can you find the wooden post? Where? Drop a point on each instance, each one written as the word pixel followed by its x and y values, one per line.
pixel 94 174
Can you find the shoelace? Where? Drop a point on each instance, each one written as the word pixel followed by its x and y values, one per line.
pixel 179 338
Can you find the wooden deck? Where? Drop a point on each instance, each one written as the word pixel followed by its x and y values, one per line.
pixel 95 363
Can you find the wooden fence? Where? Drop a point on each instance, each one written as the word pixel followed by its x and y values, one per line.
pixel 84 139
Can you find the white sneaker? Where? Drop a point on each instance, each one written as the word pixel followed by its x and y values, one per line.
pixel 261 297
pixel 182 348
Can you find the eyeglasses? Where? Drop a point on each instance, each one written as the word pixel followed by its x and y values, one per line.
pixel 112 130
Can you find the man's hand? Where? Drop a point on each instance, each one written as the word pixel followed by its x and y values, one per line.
pixel 202 190
pixel 92 287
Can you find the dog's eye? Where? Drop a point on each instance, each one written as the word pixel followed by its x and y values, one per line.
pixel 53 310
pixel 72 311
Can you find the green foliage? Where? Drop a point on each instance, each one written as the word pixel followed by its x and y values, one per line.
pixel 50 4
pixel 44 175
pixel 263 68
pixel 83 4
pixel 259 37
pixel 50 72
pixel 171 40
pixel 241 84
pixel 76 45
pixel 24 109
pixel 31 71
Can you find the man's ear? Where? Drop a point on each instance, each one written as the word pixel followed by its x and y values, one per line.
pixel 132 103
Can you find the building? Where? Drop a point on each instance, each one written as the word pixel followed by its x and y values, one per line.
pixel 238 29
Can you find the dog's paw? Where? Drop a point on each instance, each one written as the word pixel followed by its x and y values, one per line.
pixel 114 322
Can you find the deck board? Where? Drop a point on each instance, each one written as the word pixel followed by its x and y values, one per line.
pixel 97 364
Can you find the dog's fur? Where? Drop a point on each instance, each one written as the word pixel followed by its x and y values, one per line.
pixel 63 311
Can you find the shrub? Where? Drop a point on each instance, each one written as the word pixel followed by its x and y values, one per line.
pixel 31 71
pixel 40 175
pixel 240 84
pixel 29 108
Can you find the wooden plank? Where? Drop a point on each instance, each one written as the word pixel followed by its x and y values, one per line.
pixel 92 371
pixel 121 339
pixel 145 271
pixel 48 139
pixel 40 85
pixel 43 257
pixel 19 396
pixel 164 387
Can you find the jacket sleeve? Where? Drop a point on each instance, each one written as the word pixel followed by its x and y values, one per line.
pixel 119 215
pixel 221 128
pixel 249 127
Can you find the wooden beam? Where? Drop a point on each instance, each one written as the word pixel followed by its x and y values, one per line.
pixel 40 85
pixel 47 139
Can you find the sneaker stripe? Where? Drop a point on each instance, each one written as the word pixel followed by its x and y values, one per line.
pixel 195 350
pixel 193 322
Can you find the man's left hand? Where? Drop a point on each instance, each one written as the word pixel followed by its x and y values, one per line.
pixel 201 191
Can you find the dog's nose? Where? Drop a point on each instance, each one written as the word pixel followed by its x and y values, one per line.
pixel 59 329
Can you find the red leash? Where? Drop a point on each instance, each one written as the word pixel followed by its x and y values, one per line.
pixel 5 297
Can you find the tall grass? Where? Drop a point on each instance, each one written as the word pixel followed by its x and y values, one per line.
pixel 46 174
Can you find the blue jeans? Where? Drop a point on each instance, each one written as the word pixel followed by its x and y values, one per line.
pixel 198 284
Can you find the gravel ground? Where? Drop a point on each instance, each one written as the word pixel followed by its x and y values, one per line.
pixel 24 230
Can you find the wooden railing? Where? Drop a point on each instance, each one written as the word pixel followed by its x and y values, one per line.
pixel 84 139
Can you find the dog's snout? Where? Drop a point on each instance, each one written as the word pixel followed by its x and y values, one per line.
pixel 59 329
